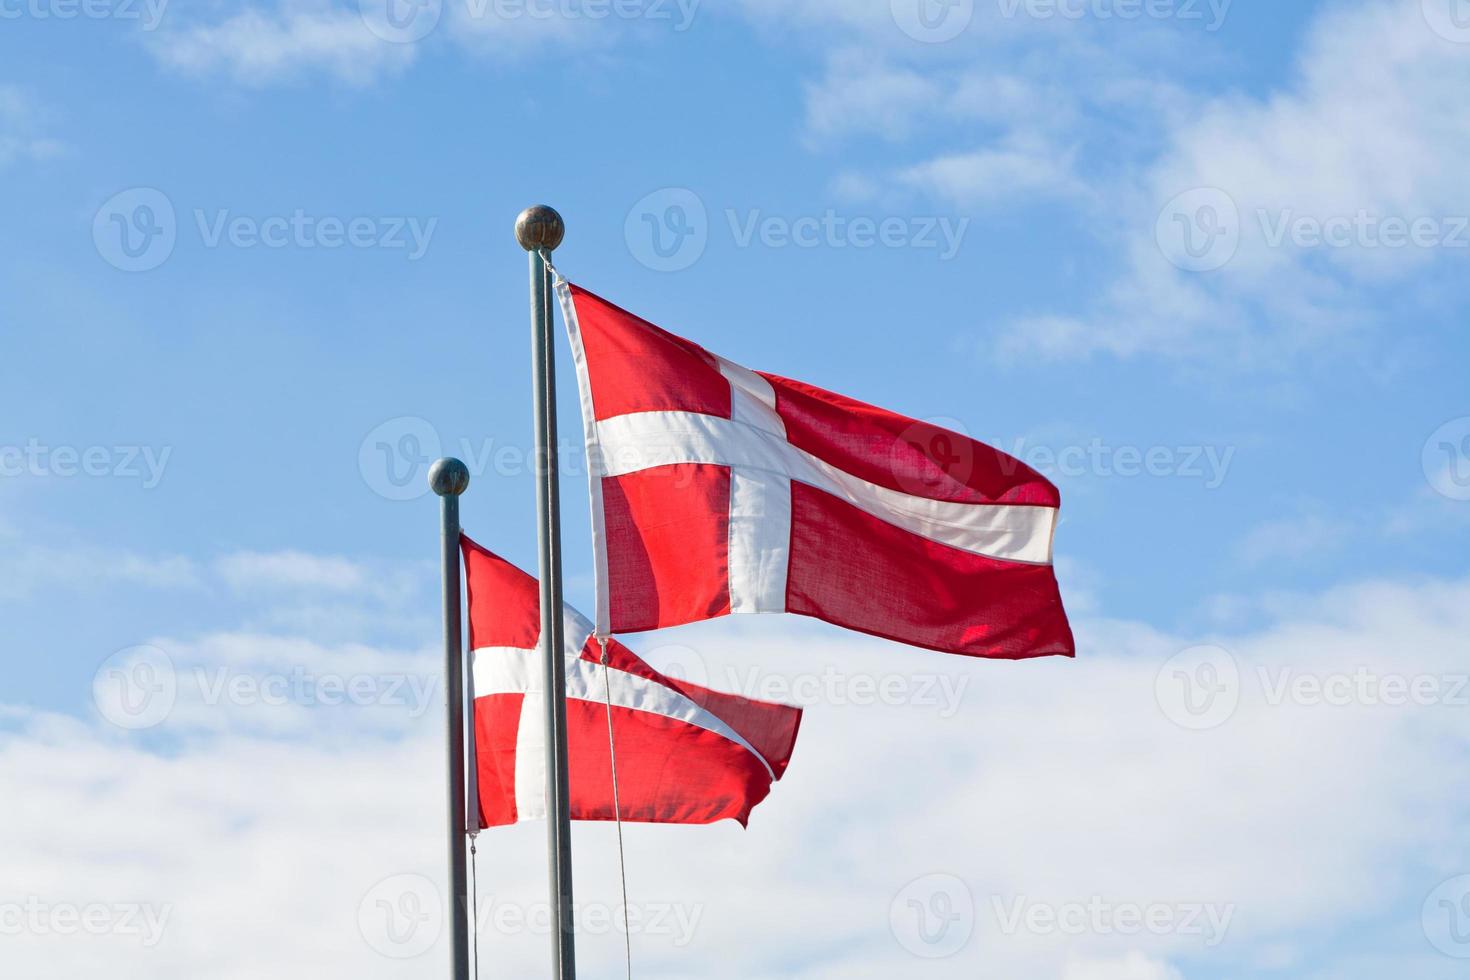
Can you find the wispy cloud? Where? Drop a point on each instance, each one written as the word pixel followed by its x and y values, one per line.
pixel 1104 796
pixel 22 136
pixel 260 46
pixel 1299 207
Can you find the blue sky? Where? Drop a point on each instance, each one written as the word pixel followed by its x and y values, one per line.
pixel 1205 265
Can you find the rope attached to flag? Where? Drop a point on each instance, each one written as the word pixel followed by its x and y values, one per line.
pixel 612 753
pixel 474 909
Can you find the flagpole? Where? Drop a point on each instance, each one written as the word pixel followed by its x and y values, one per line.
pixel 449 478
pixel 539 231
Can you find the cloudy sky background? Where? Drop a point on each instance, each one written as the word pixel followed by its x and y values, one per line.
pixel 1202 263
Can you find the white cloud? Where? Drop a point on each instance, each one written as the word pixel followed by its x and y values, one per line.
pixel 20 128
pixel 246 570
pixel 1134 966
pixel 1017 168
pixel 1052 783
pixel 1293 539
pixel 27 567
pixel 1370 129
pixel 259 47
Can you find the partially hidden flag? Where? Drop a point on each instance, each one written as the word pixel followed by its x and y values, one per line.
pixel 717 489
pixel 685 754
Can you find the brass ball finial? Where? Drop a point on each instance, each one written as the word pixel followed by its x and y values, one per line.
pixel 540 226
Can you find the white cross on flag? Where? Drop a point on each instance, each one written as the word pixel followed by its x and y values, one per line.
pixel 685 754
pixel 717 489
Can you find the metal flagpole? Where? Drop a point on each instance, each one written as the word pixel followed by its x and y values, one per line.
pixel 539 230
pixel 449 478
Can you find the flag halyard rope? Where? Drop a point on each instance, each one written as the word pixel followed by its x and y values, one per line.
pixel 474 909
pixel 612 753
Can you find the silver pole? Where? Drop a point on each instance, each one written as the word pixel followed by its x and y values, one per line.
pixel 540 228
pixel 449 478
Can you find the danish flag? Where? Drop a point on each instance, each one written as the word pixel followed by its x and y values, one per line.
pixel 685 754
pixel 717 489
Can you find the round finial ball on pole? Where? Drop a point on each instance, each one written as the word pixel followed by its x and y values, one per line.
pixel 540 227
pixel 448 477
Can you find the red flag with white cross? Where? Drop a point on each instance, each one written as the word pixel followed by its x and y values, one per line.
pixel 685 754
pixel 718 490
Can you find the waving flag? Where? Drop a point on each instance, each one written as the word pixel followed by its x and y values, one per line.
pixel 717 489
pixel 685 754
